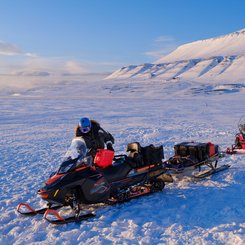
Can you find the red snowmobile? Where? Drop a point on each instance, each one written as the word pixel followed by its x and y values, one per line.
pixel 82 183
pixel 239 146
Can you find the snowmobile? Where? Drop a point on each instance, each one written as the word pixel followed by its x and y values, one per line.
pixel 189 156
pixel 239 146
pixel 83 182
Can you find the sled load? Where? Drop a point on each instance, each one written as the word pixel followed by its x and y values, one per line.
pixel 81 183
pixel 239 146
pixel 195 155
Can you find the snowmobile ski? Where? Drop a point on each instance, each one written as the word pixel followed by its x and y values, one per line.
pixel 30 211
pixel 211 171
pixel 60 220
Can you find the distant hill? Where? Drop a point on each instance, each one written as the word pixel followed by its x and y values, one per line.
pixel 217 59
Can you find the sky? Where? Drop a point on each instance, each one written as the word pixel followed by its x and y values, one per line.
pixel 43 38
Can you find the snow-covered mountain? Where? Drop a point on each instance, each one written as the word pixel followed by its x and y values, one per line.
pixel 216 59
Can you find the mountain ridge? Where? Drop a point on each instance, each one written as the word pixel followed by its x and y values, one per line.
pixel 225 45
pixel 219 58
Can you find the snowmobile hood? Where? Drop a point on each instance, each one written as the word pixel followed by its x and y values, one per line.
pixel 54 178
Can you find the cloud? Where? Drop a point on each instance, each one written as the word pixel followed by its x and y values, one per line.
pixel 162 45
pixel 37 66
pixel 75 67
pixel 17 65
pixel 9 49
pixel 31 55
pixel 161 52
pixel 21 69
pixel 33 74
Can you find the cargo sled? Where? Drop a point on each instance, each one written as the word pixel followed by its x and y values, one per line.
pixel 191 156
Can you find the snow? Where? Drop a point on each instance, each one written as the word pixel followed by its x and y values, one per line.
pixel 215 59
pixel 37 127
pixel 227 45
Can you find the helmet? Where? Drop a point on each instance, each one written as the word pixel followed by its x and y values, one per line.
pixel 85 125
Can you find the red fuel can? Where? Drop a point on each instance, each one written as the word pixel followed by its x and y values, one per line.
pixel 103 158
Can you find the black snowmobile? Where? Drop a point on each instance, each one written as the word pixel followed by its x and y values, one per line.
pixel 239 146
pixel 83 182
pixel 190 156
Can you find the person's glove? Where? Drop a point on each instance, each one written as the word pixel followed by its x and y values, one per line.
pixel 109 147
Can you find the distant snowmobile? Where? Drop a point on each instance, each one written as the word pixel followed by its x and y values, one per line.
pixel 239 146
pixel 79 183
pixel 195 155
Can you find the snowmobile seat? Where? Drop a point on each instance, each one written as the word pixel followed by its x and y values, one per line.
pixel 116 172
pixel 152 154
pixel 143 156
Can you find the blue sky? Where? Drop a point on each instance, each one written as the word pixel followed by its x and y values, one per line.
pixel 77 36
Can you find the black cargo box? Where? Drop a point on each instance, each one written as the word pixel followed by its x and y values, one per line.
pixel 194 149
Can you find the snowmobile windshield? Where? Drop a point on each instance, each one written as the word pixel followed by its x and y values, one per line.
pixel 76 150
pixel 75 156
pixel 72 164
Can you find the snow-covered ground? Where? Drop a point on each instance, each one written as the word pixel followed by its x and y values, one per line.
pixel 36 127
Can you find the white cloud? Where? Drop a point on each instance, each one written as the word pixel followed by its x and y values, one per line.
pixel 162 45
pixel 31 55
pixel 18 66
pixel 75 67
pixel 37 66
pixel 9 49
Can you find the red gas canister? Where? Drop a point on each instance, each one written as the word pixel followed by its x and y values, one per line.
pixel 103 158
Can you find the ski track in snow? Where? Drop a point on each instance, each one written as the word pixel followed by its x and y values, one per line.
pixel 37 126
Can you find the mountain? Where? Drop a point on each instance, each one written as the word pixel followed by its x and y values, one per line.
pixel 215 59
